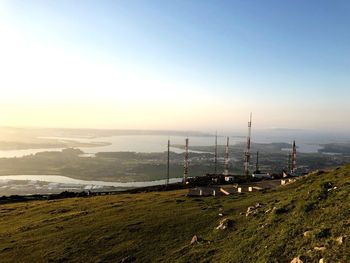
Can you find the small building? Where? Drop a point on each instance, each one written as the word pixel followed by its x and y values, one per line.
pixel 204 191
pixel 261 175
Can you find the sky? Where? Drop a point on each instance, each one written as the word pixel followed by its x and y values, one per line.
pixel 182 65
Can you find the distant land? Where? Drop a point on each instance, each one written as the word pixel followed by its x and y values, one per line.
pixel 131 166
pixel 43 144
pixel 12 138
pixel 36 138
pixel 91 133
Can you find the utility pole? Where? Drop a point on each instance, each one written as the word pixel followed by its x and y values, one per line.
pixel 186 161
pixel 226 157
pixel 216 154
pixel 168 165
pixel 247 151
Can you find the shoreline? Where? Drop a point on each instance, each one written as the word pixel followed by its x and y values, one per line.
pixel 63 195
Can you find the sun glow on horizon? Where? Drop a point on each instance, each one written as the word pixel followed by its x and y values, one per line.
pixel 49 79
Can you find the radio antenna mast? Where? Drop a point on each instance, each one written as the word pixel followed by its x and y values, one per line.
pixel 216 154
pixel 186 161
pixel 226 157
pixel 168 164
pixel 294 157
pixel 247 151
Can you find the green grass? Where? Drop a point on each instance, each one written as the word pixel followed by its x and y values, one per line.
pixel 158 226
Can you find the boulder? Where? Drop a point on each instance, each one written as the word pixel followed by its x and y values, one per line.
pixel 194 240
pixel 251 211
pixel 224 224
pixel 307 233
pixel 339 240
pixel 264 225
pixel 321 260
pixel 297 260
pixel 128 259
pixel 320 248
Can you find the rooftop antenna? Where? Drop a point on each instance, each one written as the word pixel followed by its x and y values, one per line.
pixel 294 157
pixel 216 154
pixel 226 157
pixel 247 151
pixel 168 165
pixel 186 161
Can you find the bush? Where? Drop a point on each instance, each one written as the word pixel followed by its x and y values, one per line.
pixel 323 233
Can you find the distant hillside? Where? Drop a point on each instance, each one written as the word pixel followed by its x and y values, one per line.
pixel 309 219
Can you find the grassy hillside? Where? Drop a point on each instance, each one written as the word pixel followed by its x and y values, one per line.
pixel 309 218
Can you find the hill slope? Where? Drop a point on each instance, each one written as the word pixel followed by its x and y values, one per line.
pixel 309 218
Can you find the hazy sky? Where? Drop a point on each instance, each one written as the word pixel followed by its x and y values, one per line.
pixel 175 64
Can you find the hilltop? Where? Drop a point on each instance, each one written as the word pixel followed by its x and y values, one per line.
pixel 309 219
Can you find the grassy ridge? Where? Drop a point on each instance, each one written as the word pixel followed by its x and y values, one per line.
pixel 306 219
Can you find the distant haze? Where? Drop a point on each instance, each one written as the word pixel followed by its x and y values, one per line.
pixel 180 65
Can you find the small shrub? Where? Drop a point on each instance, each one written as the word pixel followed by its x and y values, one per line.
pixel 281 210
pixel 323 233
